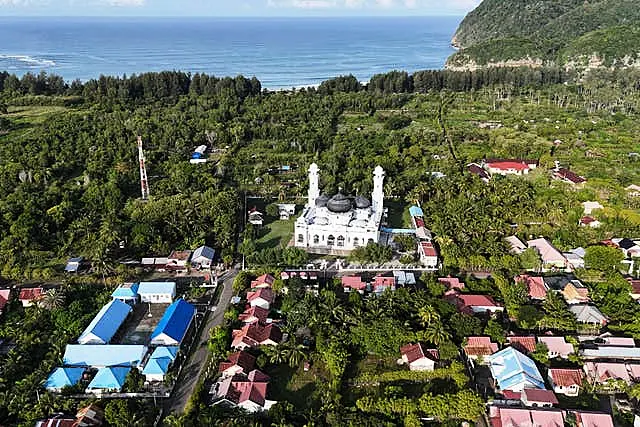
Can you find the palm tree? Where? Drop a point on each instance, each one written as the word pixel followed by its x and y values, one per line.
pixel 428 315
pixel 436 334
pixel 295 354
pixel 53 299
pixel 276 353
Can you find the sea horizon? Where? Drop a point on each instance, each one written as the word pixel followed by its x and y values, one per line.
pixel 282 52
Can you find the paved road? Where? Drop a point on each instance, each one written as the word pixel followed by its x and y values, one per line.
pixel 195 366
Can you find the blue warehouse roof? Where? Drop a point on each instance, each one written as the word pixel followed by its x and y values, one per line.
pixel 157 366
pixel 99 356
pixel 109 378
pixel 128 290
pixel 175 321
pixel 63 377
pixel 165 351
pixel 106 323
pixel 157 288
pixel 510 368
pixel 415 211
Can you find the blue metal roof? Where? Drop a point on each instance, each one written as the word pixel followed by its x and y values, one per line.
pixel 165 351
pixel 175 321
pixel 109 378
pixel 157 288
pixel 204 251
pixel 415 211
pixel 128 290
pixel 157 366
pixel 63 377
pixel 106 323
pixel 99 356
pixel 511 369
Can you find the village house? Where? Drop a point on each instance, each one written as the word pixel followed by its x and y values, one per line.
pixel 521 417
pixel 551 258
pixel 635 288
pixel 261 297
pixel 30 296
pixel 479 347
pixel 572 290
pixel 575 258
pixel 174 324
pixel 474 304
pixel 608 340
pixel 384 281
pixel 202 257
pixel 452 283
pixel 610 352
pixel 106 323
pixel 478 171
pixel 255 334
pixel 589 221
pixel 154 263
pixel 239 362
pixel 101 355
pixel 248 392
pixel 506 167
pixel 588 314
pixel 589 207
pixel 602 373
pixel 536 398
pixel 535 286
pixel 127 293
pixel 565 175
pixel 159 362
pixel 512 370
pixel 633 190
pixel 91 415
pixel 557 346
pixel 428 254
pixel 256 217
pixel 264 281
pixel 524 344
pixel 286 211
pixel 630 248
pixel 157 292
pixel 178 260
pixel 353 283
pixel 418 357
pixel 516 245
pixel 74 264
pixel 5 295
pixel 566 381
pixel 254 314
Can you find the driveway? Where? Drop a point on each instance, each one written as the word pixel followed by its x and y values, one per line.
pixel 194 367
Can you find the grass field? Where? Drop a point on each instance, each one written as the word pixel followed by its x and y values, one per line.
pixel 278 233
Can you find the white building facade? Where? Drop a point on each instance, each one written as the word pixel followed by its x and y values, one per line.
pixel 339 224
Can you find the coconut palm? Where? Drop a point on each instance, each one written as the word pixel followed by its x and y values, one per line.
pixel 53 299
pixel 436 333
pixel 428 315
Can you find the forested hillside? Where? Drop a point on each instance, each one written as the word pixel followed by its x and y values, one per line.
pixel 537 33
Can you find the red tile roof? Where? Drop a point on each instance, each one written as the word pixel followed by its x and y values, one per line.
pixel 480 346
pixel 523 344
pixel 242 359
pixel 572 177
pixel 566 377
pixel 418 351
pixel 507 165
pixel 30 294
pixel 265 279
pixel 255 334
pixel 353 282
pixel 428 249
pixel 535 285
pixel 5 294
pixel 257 376
pixel 469 300
pixel 254 314
pixel 264 293
pixel 537 395
pixel 451 282
pixel 635 285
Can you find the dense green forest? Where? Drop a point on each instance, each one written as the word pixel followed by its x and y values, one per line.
pixel 567 32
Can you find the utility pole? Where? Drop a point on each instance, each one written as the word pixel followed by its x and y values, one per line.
pixel 144 183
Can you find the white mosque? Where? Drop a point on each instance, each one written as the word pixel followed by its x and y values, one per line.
pixel 340 223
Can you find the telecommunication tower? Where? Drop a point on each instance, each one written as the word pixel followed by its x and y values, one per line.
pixel 144 183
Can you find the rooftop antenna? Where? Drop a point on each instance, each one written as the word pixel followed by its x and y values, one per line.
pixel 144 183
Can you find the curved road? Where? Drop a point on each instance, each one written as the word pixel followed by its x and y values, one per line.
pixel 194 367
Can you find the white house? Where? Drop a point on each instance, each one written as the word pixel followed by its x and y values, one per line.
pixel 428 254
pixel 286 210
pixel 566 381
pixel 202 257
pixel 178 260
pixel 157 292
pixel 418 357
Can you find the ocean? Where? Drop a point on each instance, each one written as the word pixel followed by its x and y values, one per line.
pixel 281 52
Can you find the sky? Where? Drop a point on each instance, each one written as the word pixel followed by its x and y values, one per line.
pixel 238 8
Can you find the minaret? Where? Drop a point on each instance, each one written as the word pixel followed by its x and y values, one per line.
pixel 314 191
pixel 377 196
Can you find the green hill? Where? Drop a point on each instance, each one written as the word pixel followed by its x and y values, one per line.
pixel 548 32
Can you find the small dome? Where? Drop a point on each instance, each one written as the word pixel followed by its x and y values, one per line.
pixel 362 202
pixel 320 220
pixel 339 203
pixel 321 202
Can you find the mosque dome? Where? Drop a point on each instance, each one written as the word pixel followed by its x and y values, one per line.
pixel 321 202
pixel 339 203
pixel 362 202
